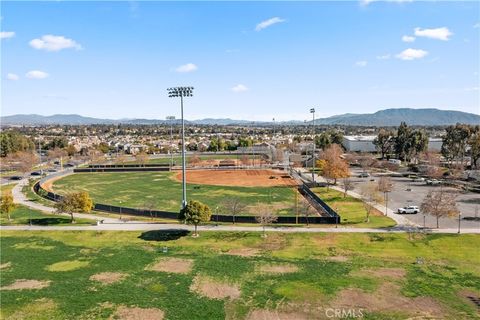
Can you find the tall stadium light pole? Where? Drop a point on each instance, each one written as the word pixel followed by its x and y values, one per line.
pixel 170 119
pixel 312 111
pixel 175 93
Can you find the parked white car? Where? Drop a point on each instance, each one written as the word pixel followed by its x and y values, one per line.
pixel 408 210
pixel 420 179
pixel 433 182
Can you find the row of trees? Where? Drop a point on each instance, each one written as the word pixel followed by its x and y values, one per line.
pixel 406 143
pixel 459 139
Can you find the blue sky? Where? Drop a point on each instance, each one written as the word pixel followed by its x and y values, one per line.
pixel 250 60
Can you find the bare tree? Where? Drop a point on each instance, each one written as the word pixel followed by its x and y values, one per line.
pixel 265 216
pixel 307 210
pixel 245 160
pixel 385 185
pixel 149 205
pixel 22 161
pixel 194 160
pixel 142 158
pixel 370 196
pixel 121 159
pixel 440 203
pixel 233 206
pixel 347 185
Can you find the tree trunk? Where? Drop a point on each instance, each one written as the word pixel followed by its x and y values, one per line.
pixel 233 218
pixel 437 223
pixel 195 232
pixel 72 220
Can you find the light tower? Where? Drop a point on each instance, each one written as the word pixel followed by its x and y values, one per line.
pixel 312 111
pixel 175 93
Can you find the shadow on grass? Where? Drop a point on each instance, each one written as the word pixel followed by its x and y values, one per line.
pixel 50 221
pixel 163 235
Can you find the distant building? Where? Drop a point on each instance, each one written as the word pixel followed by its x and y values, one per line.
pixel 365 144
pixel 359 143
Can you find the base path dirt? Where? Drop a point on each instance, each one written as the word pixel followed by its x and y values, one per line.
pixel 239 178
pixel 278 268
pixel 24 284
pixel 263 314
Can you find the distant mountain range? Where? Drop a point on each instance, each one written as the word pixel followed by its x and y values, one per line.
pixel 387 117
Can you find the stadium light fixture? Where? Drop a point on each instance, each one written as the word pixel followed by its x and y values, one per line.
pixel 182 92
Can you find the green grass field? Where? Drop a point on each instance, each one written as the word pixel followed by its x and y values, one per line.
pixel 136 189
pixel 294 276
pixel 25 215
pixel 352 210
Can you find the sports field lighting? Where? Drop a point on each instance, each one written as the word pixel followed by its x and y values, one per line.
pixel 312 111
pixel 170 119
pixel 181 92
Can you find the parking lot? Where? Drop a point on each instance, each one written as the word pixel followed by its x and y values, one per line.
pixel 467 202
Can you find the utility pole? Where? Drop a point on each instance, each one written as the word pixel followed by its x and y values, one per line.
pixel 174 93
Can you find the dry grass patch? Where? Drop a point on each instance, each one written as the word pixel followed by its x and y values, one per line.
pixel 5 265
pixel 278 268
pixel 264 314
pixel 108 277
pixel 244 252
pixel 395 273
pixel 24 284
pixel 172 265
pixel 67 265
pixel 135 313
pixel 39 309
pixel 214 289
pixel 388 298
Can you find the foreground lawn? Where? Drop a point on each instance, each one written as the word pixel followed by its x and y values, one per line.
pixel 351 210
pixel 105 275
pixel 139 189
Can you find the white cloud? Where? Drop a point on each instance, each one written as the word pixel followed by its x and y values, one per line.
pixel 384 57
pixel 412 54
pixel 7 34
pixel 267 23
pixel 239 88
pixel 438 33
pixel 361 63
pixel 54 43
pixel 189 67
pixel 477 25
pixel 36 74
pixel 471 89
pixel 408 39
pixel 12 76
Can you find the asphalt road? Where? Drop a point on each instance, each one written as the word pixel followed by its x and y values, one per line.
pixel 467 202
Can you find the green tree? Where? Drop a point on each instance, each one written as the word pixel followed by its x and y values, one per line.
pixel 402 141
pixel 195 213
pixel 384 142
pixel 6 204
pixel 57 142
pixel 418 143
pixel 454 142
pixel 474 143
pixel 75 202
pixel 12 141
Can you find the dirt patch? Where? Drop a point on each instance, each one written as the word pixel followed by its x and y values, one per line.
pixel 388 298
pixel 278 268
pixel 244 252
pixel 172 265
pixel 395 273
pixel 134 313
pixel 264 314
pixel 48 185
pixel 242 178
pixel 338 258
pixel 44 307
pixel 472 297
pixel 108 277
pixel 5 265
pixel 214 289
pixel 274 242
pixel 23 284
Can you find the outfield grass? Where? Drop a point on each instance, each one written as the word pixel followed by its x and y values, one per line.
pixel 135 189
pixel 324 270
pixel 352 210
